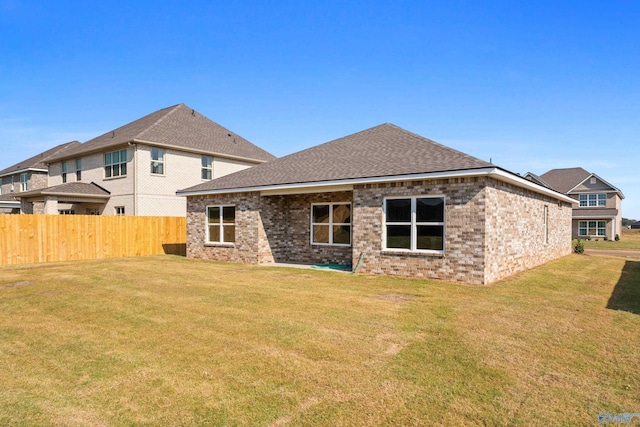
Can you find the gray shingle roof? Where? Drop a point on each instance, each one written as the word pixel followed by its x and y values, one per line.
pixel 40 161
pixel 179 126
pixel 75 188
pixel 384 150
pixel 563 180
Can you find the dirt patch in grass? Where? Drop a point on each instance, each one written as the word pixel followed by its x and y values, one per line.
pixel 397 298
pixel 15 285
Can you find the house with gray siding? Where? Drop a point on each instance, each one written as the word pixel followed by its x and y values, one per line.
pixel 387 201
pixel 137 168
pixel 598 210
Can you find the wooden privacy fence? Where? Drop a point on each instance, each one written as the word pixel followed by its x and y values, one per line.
pixel 49 238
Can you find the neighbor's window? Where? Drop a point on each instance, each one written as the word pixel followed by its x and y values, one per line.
pixel 24 182
pixel 119 210
pixel 592 228
pixel 78 170
pixel 414 223
pixel 593 200
pixel 331 224
pixel 66 212
pixel 115 164
pixel 207 167
pixel 64 172
pixel 157 161
pixel 221 224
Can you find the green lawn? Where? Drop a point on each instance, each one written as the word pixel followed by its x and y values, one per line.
pixel 172 341
pixel 629 241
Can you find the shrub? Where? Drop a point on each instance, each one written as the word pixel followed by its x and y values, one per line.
pixel 617 237
pixel 578 246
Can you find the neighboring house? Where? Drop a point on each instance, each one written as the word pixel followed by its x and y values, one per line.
pixel 137 168
pixel 635 225
pixel 387 201
pixel 27 175
pixel 598 212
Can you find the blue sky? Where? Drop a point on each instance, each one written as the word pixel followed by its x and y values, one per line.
pixel 530 85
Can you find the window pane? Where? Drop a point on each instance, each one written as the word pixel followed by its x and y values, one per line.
pixel 341 234
pixel 320 234
pixel 399 236
pixel 123 169
pixel 230 233
pixel 213 213
pixel 206 173
pixel 214 233
pixel 342 214
pixel 430 210
pixel 430 237
pixel 123 155
pixel 115 157
pixel 592 224
pixel 107 171
pixel 229 214
pixel 320 213
pixel 157 168
pixel 156 154
pixel 398 210
pixel 116 170
pixel 206 162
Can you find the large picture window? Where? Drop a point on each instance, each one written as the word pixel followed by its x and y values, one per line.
pixel 221 224
pixel 157 161
pixel 331 224
pixel 590 200
pixel 115 164
pixel 414 223
pixel 592 228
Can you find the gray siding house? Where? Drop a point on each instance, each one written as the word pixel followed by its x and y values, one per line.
pixel 137 168
pixel 384 199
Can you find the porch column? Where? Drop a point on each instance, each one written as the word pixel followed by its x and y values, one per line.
pixel 50 205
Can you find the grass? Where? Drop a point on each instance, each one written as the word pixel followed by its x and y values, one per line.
pixel 172 341
pixel 629 241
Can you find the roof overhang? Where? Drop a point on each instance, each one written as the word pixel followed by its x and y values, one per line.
pixel 347 184
pixel 9 204
pixel 15 172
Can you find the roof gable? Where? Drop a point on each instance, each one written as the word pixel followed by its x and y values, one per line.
pixel 564 180
pixel 40 161
pixel 384 150
pixel 178 126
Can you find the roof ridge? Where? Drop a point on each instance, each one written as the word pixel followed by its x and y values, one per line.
pixel 171 109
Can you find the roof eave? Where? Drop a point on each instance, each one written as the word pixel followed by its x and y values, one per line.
pixel 15 172
pixel 196 151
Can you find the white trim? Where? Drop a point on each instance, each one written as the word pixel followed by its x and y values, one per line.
pixel 330 224
pixel 23 171
pixel 494 172
pixel 207 240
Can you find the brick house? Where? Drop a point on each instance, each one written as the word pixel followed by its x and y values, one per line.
pixel 387 200
pixel 597 212
pixel 137 168
pixel 28 175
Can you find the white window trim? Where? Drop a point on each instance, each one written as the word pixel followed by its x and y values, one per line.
pixel 208 241
pixel 598 196
pixel 120 163
pixel 116 208
pixel 331 224
pixel 24 183
pixel 590 228
pixel 160 161
pixel 414 225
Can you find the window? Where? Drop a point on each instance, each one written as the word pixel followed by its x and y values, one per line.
pixel 119 210
pixel 592 180
pixel 157 161
pixel 414 224
pixel 115 164
pixel 207 167
pixel 593 200
pixel 24 182
pixel 592 228
pixel 221 224
pixel 66 212
pixel 64 172
pixel 78 170
pixel 331 224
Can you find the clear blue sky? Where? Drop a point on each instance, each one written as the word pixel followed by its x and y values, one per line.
pixel 530 85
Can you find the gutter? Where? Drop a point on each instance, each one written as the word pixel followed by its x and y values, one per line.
pixel 492 172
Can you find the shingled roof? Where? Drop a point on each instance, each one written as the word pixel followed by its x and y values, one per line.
pixel 40 161
pixel 381 151
pixel 68 189
pixel 564 180
pixel 178 126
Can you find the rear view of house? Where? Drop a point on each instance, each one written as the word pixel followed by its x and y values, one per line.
pixel 389 200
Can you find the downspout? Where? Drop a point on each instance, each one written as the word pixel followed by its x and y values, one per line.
pixel 135 176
